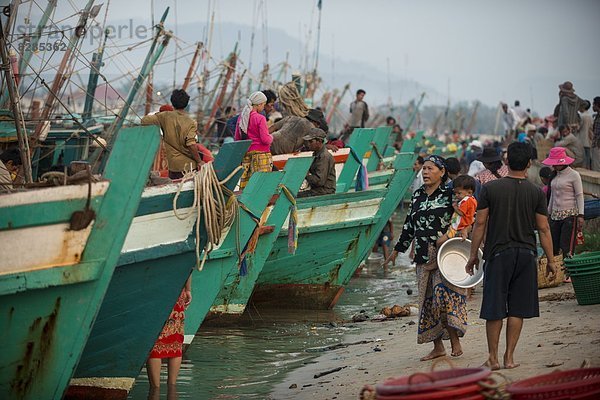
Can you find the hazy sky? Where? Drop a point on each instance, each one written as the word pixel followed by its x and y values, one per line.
pixel 480 49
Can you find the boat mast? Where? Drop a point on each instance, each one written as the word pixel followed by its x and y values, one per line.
pixel 314 82
pixel 252 35
pixel 284 67
pixel 231 98
pixel 230 66
pixel 202 102
pixel 414 113
pixel 473 119
pixel 147 66
pixel 435 124
pixel 15 103
pixel 336 102
pixel 11 11
pixel 93 81
pixel 149 86
pixel 62 75
pixel 192 68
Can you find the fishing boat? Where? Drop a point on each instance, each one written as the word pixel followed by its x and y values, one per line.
pixel 336 232
pixel 233 298
pixel 158 256
pixel 60 246
pixel 225 263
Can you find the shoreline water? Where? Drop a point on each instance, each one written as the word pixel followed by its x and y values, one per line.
pixel 563 337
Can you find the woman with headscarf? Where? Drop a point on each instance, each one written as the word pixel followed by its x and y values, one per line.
pixel 253 125
pixel 442 306
pixel 494 167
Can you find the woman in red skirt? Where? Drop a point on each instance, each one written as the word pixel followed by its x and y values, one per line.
pixel 170 342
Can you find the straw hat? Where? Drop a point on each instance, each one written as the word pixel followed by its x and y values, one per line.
pixel 558 156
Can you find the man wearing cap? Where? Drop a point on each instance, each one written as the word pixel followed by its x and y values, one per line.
pixel 573 145
pixel 321 174
pixel 288 133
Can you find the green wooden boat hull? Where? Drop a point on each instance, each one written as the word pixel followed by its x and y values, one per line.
pixel 336 234
pixel 48 308
pixel 233 297
pixel 156 260
pixel 236 290
pixel 223 261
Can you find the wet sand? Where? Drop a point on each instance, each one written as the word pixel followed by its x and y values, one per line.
pixel 564 336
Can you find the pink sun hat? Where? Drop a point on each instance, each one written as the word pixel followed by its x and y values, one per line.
pixel 558 156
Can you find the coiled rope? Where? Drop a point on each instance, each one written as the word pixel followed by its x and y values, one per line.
pixel 210 206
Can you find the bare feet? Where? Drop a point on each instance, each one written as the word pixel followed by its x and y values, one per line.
pixel 509 363
pixel 434 354
pixel 494 366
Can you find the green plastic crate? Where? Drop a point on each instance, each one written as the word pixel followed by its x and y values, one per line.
pixel 586 287
pixel 584 259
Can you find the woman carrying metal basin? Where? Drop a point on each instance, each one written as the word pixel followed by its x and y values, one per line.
pixel 442 306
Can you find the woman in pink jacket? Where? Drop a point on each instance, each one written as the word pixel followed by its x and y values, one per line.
pixel 253 125
pixel 566 204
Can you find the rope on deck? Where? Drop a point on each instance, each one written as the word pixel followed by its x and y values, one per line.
pixel 210 206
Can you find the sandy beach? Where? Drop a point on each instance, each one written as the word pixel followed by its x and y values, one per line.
pixel 563 337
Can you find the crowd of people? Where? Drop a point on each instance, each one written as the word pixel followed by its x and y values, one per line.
pixel 571 125
pixel 500 206
pixel 483 194
pixel 488 195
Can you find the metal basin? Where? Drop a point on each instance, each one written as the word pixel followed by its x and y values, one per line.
pixel 452 258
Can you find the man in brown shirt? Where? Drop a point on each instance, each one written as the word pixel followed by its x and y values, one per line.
pixel 179 135
pixel 321 174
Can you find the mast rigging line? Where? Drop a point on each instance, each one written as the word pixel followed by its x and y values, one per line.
pixel 73 118
pixel 78 54
pixel 41 80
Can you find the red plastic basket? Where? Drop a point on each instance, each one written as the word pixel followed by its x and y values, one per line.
pixel 432 381
pixel 471 391
pixel 573 384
